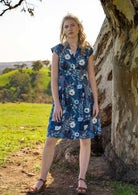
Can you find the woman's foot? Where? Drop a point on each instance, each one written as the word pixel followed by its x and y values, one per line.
pixel 39 186
pixel 82 187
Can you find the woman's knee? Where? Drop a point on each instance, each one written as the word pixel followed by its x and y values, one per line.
pixel 85 141
pixel 51 141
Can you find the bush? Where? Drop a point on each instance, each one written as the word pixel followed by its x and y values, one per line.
pixel 6 70
pixel 48 90
pixel 21 82
pixel 8 95
pixel 37 65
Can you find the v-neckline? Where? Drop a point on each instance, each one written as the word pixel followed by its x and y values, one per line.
pixel 74 54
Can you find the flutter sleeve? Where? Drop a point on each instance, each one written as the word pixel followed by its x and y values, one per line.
pixel 90 51
pixel 56 49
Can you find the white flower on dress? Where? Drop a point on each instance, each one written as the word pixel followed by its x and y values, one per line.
pixel 70 51
pixel 81 62
pixel 67 56
pixel 99 128
pixel 76 101
pixel 64 111
pixel 85 127
pixel 77 134
pixel 73 66
pixel 57 128
pixel 72 124
pixel 80 119
pixel 94 120
pixel 86 110
pixel 71 92
pixel 59 87
pixel 79 86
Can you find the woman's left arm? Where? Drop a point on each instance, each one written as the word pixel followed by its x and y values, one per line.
pixel 92 81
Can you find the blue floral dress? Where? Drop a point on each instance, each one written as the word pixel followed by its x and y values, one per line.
pixel 75 96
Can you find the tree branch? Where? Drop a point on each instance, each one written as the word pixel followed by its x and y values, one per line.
pixel 10 6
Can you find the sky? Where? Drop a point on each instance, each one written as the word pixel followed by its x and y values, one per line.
pixel 27 38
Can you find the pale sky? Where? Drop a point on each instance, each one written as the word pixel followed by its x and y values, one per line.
pixel 26 38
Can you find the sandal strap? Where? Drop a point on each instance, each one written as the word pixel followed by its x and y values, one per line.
pixel 40 179
pixel 82 188
pixel 33 189
pixel 81 179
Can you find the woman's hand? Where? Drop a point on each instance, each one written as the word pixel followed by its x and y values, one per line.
pixel 57 114
pixel 95 109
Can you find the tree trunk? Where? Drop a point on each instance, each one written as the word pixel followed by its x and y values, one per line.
pixel 123 18
pixel 103 54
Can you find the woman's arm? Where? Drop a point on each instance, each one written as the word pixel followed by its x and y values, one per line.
pixel 54 78
pixel 54 87
pixel 92 81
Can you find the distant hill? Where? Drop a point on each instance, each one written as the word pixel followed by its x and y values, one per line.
pixel 4 65
pixel 39 87
pixel 43 77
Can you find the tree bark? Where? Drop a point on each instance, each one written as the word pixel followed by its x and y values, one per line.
pixel 123 18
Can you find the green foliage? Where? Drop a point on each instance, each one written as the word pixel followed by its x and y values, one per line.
pixel 21 125
pixel 4 78
pixel 48 90
pixel 33 76
pixel 26 85
pixel 37 65
pixel 21 81
pixel 49 67
pixel 20 67
pixel 49 74
pixel 46 62
pixel 9 94
pixel 6 70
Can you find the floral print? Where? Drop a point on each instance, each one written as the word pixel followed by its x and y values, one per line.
pixel 75 96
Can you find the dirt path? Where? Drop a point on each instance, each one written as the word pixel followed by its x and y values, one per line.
pixel 23 168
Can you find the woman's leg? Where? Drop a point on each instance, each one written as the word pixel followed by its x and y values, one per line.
pixel 84 157
pixel 47 158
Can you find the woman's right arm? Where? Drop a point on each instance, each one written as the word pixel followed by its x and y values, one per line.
pixel 57 114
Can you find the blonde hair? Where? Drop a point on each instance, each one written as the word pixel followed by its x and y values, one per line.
pixel 83 44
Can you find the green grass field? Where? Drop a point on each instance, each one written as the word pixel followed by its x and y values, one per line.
pixel 21 125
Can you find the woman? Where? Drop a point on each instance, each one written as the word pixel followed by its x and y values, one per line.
pixel 75 113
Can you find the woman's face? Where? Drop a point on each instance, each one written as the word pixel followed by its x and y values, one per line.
pixel 70 29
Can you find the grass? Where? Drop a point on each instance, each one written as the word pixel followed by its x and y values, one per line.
pixel 21 125
pixel 118 187
pixel 124 189
pixel 37 168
